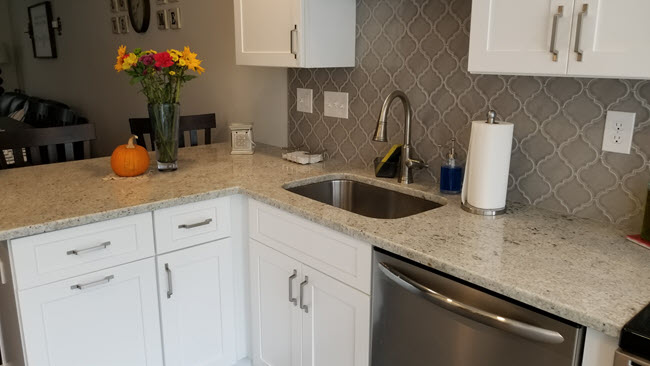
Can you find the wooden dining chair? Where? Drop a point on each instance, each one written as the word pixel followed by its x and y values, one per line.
pixel 36 146
pixel 192 124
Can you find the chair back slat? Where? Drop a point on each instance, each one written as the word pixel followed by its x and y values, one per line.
pixel 47 145
pixel 192 124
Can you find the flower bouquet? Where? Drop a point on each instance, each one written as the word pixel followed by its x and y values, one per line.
pixel 161 76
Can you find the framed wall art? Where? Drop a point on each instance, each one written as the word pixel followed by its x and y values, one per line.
pixel 41 31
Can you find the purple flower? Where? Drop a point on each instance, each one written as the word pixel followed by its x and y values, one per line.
pixel 147 60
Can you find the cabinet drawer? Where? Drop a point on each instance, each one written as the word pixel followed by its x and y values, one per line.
pixel 195 223
pixel 54 256
pixel 326 250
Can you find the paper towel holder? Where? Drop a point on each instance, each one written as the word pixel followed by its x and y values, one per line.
pixel 481 211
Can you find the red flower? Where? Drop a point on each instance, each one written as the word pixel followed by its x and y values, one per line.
pixel 163 59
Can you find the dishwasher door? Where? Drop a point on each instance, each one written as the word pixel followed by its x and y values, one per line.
pixel 423 318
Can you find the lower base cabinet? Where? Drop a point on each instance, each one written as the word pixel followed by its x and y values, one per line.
pixel 197 305
pixel 105 318
pixel 301 316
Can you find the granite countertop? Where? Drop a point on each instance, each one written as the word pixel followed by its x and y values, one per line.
pixel 578 269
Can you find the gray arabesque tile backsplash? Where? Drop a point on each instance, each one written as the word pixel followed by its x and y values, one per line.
pixel 421 47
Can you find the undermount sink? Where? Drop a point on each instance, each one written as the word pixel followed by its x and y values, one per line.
pixel 364 199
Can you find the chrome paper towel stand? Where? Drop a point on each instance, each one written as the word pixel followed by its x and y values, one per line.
pixel 491 119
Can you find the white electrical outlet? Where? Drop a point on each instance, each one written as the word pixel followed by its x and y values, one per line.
pixel 619 130
pixel 304 100
pixel 336 104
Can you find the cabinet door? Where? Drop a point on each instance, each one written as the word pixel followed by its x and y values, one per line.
pixel 196 304
pixel 517 37
pixel 611 38
pixel 336 322
pixel 106 318
pixel 263 32
pixel 275 319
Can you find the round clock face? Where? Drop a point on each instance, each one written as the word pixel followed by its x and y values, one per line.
pixel 139 12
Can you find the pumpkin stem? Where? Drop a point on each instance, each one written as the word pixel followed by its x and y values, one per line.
pixel 131 144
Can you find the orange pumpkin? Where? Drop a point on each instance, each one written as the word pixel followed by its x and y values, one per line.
pixel 130 160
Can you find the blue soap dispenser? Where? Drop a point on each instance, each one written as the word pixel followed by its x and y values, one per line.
pixel 451 174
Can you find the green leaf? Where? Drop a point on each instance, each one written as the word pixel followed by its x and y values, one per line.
pixel 188 77
pixel 136 80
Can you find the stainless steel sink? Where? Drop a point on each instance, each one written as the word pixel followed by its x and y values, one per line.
pixel 364 199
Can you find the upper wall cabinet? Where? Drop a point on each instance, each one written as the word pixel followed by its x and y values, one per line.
pixel 295 33
pixel 585 38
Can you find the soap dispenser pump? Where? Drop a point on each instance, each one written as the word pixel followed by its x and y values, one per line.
pixel 451 173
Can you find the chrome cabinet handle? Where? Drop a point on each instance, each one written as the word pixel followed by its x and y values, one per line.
pixel 192 226
pixel 83 286
pixel 294 41
pixel 170 284
pixel 581 17
pixel 302 292
pixel 103 245
pixel 291 278
pixel 518 328
pixel 556 19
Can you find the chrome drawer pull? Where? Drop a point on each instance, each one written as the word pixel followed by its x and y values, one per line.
pixel 84 286
pixel 192 226
pixel 581 17
pixel 521 329
pixel 292 299
pixel 556 18
pixel 170 284
pixel 88 250
pixel 302 292
pixel 294 41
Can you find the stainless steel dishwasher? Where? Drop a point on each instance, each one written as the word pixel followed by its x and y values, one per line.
pixel 423 318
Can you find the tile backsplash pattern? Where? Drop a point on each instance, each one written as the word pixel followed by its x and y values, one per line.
pixel 421 46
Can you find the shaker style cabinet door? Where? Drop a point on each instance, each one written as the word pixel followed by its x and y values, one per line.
pixel 611 38
pixel 105 318
pixel 276 320
pixel 520 37
pixel 197 305
pixel 266 32
pixel 336 322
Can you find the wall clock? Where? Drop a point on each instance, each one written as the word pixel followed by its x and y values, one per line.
pixel 139 12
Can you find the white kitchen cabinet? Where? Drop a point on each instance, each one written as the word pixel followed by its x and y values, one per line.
pixel 275 319
pixel 336 325
pixel 304 317
pixel 514 36
pixel 197 305
pixel 107 318
pixel 590 38
pixel 614 39
pixel 295 33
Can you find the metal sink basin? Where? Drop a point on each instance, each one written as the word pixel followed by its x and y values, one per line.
pixel 365 199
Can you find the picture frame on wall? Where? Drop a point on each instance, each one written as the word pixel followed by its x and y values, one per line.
pixel 124 24
pixel 41 31
pixel 161 16
pixel 114 6
pixel 174 18
pixel 121 5
pixel 115 25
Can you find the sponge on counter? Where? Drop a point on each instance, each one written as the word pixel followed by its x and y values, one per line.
pixel 387 166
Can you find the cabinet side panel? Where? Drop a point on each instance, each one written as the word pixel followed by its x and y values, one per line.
pixel 330 33
pixel 10 338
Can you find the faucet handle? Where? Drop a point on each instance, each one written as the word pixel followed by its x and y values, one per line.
pixel 416 164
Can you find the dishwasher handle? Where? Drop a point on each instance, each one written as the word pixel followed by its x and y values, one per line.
pixel 518 328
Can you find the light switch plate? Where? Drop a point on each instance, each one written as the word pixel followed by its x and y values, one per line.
pixel 619 130
pixel 336 105
pixel 304 100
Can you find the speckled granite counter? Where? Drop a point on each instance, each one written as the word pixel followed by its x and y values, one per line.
pixel 577 269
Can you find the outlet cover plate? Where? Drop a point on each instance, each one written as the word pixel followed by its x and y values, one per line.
pixel 336 105
pixel 619 130
pixel 304 100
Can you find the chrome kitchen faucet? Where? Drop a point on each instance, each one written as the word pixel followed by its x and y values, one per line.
pixel 406 164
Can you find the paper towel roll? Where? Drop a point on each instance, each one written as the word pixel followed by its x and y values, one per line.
pixel 488 163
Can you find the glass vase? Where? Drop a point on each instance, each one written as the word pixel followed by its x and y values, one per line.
pixel 164 123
